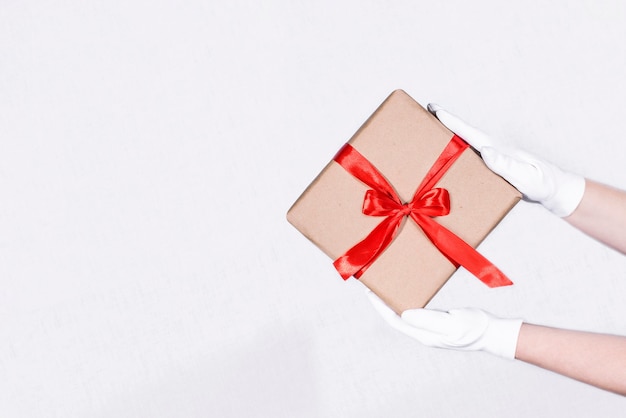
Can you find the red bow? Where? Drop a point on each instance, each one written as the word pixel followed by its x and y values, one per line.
pixel 382 200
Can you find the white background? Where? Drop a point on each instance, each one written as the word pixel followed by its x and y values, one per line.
pixel 150 151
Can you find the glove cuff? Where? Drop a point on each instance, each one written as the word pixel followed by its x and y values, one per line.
pixel 571 188
pixel 501 337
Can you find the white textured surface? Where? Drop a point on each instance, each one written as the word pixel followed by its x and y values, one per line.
pixel 150 150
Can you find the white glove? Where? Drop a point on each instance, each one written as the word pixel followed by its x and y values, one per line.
pixel 558 191
pixel 466 329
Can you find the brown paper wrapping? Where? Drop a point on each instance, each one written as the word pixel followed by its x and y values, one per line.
pixel 402 140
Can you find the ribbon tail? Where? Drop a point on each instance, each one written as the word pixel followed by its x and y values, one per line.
pixel 358 258
pixel 460 253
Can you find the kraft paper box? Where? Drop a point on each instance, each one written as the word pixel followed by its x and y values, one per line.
pixel 402 140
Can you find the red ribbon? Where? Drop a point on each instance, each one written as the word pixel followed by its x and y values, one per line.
pixel 382 200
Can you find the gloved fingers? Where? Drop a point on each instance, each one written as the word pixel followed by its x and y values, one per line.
pixel 387 313
pixel 396 322
pixel 437 322
pixel 516 167
pixel 458 328
pixel 473 136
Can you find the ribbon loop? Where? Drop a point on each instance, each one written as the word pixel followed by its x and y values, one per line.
pixel 377 203
pixel 435 202
pixel 427 202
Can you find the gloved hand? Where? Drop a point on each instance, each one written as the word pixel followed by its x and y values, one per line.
pixel 466 329
pixel 539 181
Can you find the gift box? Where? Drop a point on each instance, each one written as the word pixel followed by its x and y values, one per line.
pixel 403 204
